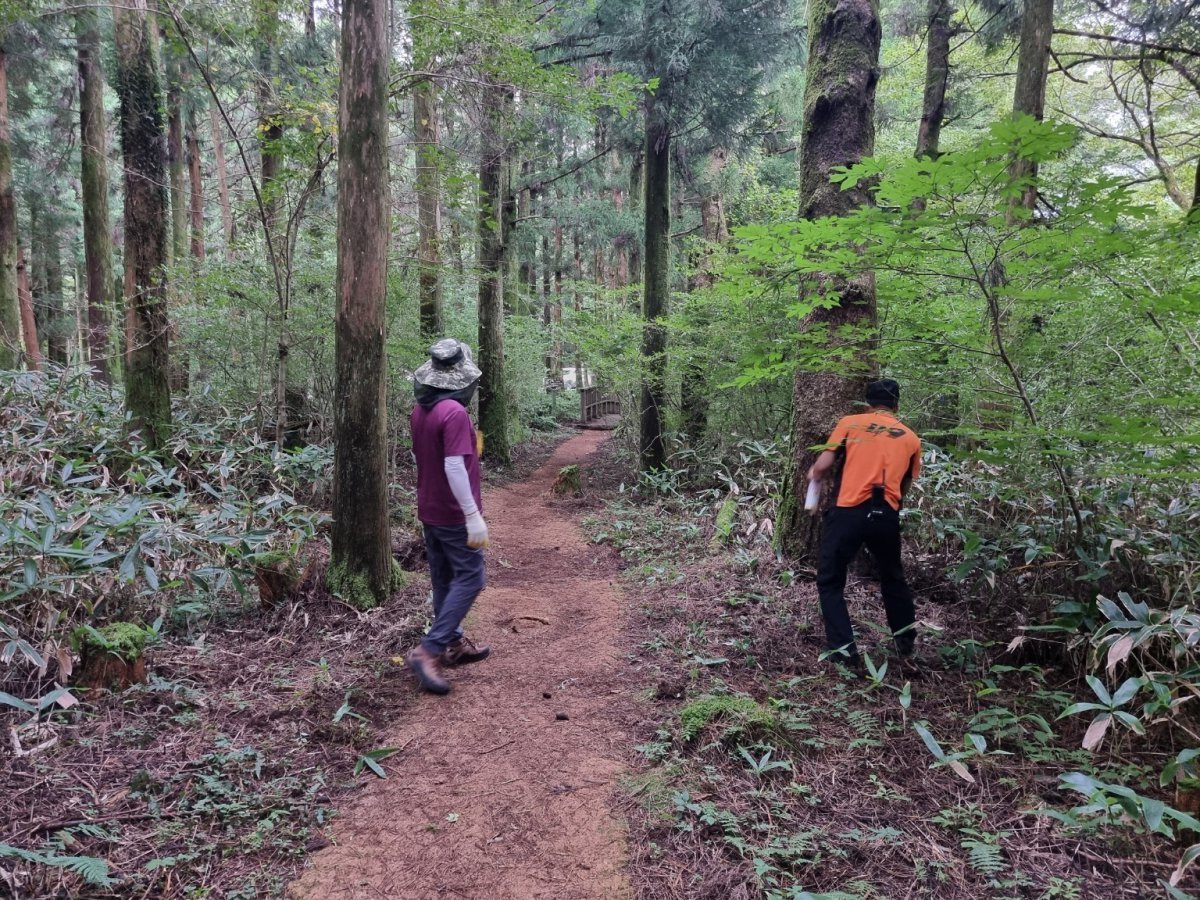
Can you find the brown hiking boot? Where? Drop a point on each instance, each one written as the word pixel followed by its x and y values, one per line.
pixel 463 651
pixel 428 670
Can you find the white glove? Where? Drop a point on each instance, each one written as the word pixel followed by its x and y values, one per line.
pixel 477 532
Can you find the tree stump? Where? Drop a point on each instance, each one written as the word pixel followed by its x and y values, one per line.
pixel 277 575
pixel 569 481
pixel 112 657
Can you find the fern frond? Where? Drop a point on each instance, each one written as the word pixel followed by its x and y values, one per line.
pixel 91 869
pixel 986 858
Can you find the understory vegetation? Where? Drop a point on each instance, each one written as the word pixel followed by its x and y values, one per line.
pixel 1046 757
pixel 264 698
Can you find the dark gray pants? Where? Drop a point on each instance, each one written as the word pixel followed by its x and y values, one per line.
pixel 457 574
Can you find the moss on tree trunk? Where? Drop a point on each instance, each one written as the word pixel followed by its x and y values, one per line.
pixel 147 385
pixel 361 564
pixel 839 130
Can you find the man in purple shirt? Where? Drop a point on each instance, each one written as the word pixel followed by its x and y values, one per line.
pixel 449 506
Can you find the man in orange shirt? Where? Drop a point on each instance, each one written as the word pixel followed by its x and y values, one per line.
pixel 881 458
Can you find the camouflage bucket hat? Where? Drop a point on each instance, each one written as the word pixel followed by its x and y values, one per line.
pixel 449 367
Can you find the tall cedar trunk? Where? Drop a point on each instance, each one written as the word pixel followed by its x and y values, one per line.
pixel 525 269
pixel 1029 98
pixel 555 305
pixel 551 315
pixel 93 155
pixel 269 128
pixel 147 385
pixel 493 404
pixel 218 139
pixel 656 293
pixel 58 325
pixel 839 130
pixel 310 21
pixel 195 187
pixel 425 127
pixel 37 261
pixel 937 74
pixel 694 388
pixel 361 563
pixel 33 352
pixel 10 302
pixel 577 298
pixel 508 228
pixel 175 158
pixel 176 168
pixel 636 192
pixel 620 245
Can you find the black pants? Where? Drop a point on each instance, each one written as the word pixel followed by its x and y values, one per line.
pixel 847 528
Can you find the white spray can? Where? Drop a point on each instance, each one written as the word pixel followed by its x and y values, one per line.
pixel 813 497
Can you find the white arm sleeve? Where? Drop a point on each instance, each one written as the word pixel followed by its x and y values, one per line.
pixel 460 483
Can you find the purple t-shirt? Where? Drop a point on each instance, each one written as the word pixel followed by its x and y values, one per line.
pixel 445 430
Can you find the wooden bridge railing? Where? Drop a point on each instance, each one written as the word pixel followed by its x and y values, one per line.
pixel 595 404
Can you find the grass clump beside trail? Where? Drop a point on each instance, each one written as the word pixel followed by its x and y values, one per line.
pixel 738 714
pixel 764 772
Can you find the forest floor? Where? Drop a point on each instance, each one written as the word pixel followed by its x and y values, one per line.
pixel 503 789
pixel 654 723
pixel 761 771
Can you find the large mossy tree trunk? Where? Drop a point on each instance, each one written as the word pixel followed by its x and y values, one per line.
pixel 656 291
pixel 143 147
pixel 839 130
pixel 361 564
pixel 93 158
pixel 10 301
pixel 1029 96
pixel 493 403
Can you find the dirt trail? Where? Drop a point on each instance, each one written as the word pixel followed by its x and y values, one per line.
pixel 493 797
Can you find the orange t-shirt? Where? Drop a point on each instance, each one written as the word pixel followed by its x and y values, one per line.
pixel 879 450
